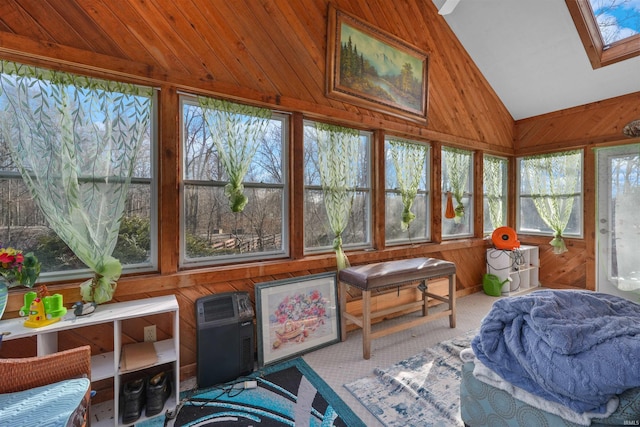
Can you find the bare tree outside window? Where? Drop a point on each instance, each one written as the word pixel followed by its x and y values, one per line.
pixel 212 232
pixel 318 235
pixel 23 225
pixel 419 228
pixel 457 184
pixel 617 19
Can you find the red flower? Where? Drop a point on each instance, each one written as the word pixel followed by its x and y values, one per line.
pixel 6 259
pixel 17 269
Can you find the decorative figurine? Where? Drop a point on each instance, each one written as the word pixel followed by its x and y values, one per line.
pixel 82 309
pixel 42 311
pixel 43 291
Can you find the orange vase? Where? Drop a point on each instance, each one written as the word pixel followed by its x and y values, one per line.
pixel 450 212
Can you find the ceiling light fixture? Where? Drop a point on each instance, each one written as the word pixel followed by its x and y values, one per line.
pixel 632 129
pixel 448 7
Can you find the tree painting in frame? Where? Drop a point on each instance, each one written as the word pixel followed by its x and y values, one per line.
pixel 295 316
pixel 374 69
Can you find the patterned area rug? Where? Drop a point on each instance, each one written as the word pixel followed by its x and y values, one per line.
pixel 287 394
pixel 421 391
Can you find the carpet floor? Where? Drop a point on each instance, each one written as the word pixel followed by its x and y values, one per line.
pixel 343 363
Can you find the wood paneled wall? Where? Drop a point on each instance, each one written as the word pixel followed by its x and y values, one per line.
pixel 271 53
pixel 590 125
pixel 584 127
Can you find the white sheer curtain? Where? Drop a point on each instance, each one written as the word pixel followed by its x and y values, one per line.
pixel 627 226
pixel 75 140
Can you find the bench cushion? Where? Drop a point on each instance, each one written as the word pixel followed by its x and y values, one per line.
pixel 388 273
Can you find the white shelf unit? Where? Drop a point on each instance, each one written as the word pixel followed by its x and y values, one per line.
pixel 522 265
pixel 107 365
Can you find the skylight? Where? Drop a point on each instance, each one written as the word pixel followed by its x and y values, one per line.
pixel 609 29
pixel 617 19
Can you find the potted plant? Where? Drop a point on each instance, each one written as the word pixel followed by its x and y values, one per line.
pixel 16 269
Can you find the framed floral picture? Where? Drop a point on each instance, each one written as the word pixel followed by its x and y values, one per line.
pixel 295 316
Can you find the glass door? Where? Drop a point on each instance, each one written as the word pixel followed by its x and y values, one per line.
pixel 618 221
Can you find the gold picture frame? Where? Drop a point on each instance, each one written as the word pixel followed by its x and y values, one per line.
pixel 374 69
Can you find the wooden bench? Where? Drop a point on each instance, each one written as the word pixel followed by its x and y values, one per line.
pixel 390 274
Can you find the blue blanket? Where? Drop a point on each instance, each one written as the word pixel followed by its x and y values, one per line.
pixel 577 348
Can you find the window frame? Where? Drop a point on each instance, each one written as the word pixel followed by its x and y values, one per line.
pixel 153 181
pixel 579 208
pixel 427 192
pixel 599 54
pixel 184 262
pixel 368 191
pixel 505 194
pixel 470 212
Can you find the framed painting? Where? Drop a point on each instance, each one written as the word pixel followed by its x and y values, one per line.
pixel 374 69
pixel 295 316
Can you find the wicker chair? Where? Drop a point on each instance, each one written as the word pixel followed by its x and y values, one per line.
pixel 17 375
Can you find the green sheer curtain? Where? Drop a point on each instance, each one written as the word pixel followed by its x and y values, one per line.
pixel 75 140
pixel 457 163
pixel 493 178
pixel 236 130
pixel 408 162
pixel 553 180
pixel 338 167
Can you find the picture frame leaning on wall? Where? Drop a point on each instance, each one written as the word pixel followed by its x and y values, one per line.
pixel 295 316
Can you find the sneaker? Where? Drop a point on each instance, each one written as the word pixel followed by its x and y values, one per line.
pixel 158 391
pixel 133 399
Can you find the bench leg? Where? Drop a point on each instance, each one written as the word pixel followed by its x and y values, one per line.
pixel 342 293
pixel 366 324
pixel 425 299
pixel 452 300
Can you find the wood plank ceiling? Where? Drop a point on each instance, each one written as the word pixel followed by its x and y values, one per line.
pixel 270 51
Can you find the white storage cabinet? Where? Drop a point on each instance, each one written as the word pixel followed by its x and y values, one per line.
pixel 521 265
pixel 107 365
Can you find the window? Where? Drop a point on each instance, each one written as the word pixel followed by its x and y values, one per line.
pixel 318 232
pixel 495 192
pixel 550 194
pixel 617 20
pixel 457 192
pixel 107 116
pixel 211 231
pixel 609 29
pixel 406 191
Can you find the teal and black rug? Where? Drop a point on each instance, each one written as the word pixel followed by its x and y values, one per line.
pixel 287 394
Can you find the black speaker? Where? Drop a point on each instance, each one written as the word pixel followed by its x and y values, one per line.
pixel 224 337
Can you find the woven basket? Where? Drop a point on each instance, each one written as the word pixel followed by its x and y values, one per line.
pixel 29 372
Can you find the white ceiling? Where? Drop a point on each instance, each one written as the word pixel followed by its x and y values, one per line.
pixel 530 53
